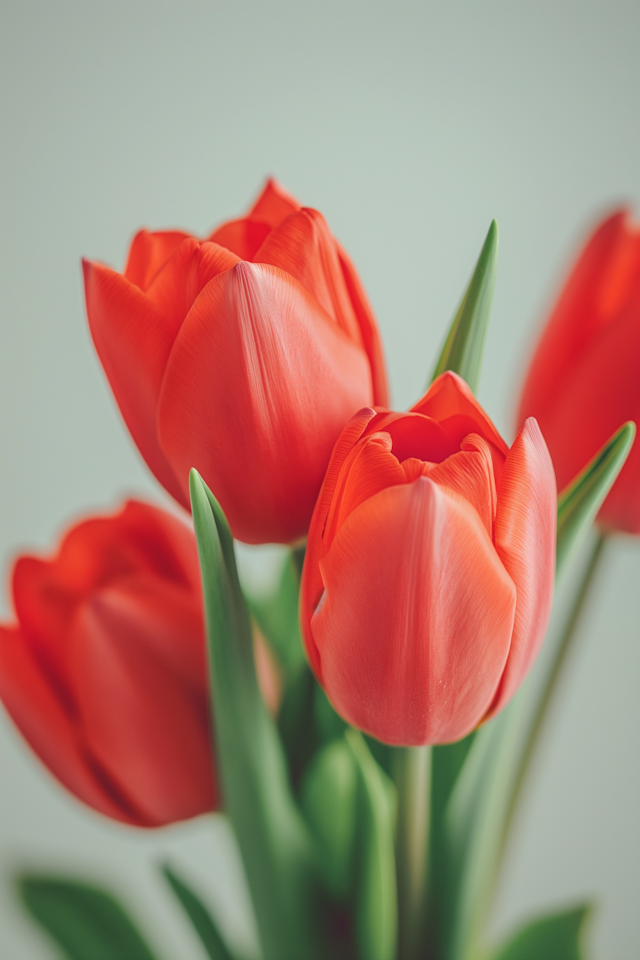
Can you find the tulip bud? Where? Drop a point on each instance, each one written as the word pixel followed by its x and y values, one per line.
pixel 104 673
pixel 242 355
pixel 428 578
pixel 584 378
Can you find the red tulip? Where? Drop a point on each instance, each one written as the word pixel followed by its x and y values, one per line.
pixel 584 380
pixel 428 578
pixel 104 672
pixel 242 355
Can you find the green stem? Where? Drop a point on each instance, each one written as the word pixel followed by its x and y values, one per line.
pixel 412 775
pixel 550 686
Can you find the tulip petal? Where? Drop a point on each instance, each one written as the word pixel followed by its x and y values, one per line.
pixel 138 541
pixel 303 246
pixel 273 204
pixel 148 252
pixel 155 744
pixel 261 371
pixel 414 628
pixel 29 698
pixel 242 237
pixel 311 585
pixel 415 435
pixel 605 275
pixel 368 329
pixel 598 395
pixel 177 284
pixel 470 473
pixel 133 340
pixel 369 468
pixel 450 401
pixel 525 539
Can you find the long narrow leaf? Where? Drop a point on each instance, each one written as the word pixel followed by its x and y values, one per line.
pixel 464 346
pixel 473 829
pixel 376 907
pixel 86 922
pixel 557 937
pixel 202 921
pixel 579 503
pixel 273 840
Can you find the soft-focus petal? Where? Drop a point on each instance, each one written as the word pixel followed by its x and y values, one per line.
pixel 273 204
pixel 133 340
pixel 140 540
pixel 525 539
pixel 270 382
pixel 303 246
pixel 150 251
pixel 145 724
pixel 600 393
pixel 47 727
pixel 605 275
pixel 242 237
pixel 414 627
pixel 450 401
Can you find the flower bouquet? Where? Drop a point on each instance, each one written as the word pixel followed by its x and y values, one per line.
pixel 366 727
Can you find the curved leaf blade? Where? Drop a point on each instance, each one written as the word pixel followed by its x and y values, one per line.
pixel 84 920
pixel 557 937
pixel 202 921
pixel 464 346
pixel 273 840
pixel 376 897
pixel 579 503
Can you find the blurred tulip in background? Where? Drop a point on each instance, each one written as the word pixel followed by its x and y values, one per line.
pixel 104 673
pixel 584 379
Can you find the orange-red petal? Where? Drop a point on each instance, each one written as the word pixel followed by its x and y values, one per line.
pixel 145 724
pixel 149 251
pixel 304 247
pixel 30 699
pixel 525 539
pixel 450 401
pixel 261 371
pixel 413 629
pixel 133 340
pixel 242 237
pixel 177 284
pixel 273 205
pixel 368 329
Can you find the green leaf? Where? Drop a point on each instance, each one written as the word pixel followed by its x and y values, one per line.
pixel 329 800
pixel 199 916
pixel 376 896
pixel 557 937
pixel 277 615
pixel 273 839
pixel 464 345
pixel 85 921
pixel 473 830
pixel 579 503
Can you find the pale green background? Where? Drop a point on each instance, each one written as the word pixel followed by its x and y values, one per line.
pixel 410 126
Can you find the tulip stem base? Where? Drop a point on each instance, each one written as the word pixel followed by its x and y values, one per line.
pixel 412 775
pixel 550 686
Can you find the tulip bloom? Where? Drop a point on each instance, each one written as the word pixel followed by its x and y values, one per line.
pixel 428 577
pixel 243 356
pixel 584 379
pixel 104 673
